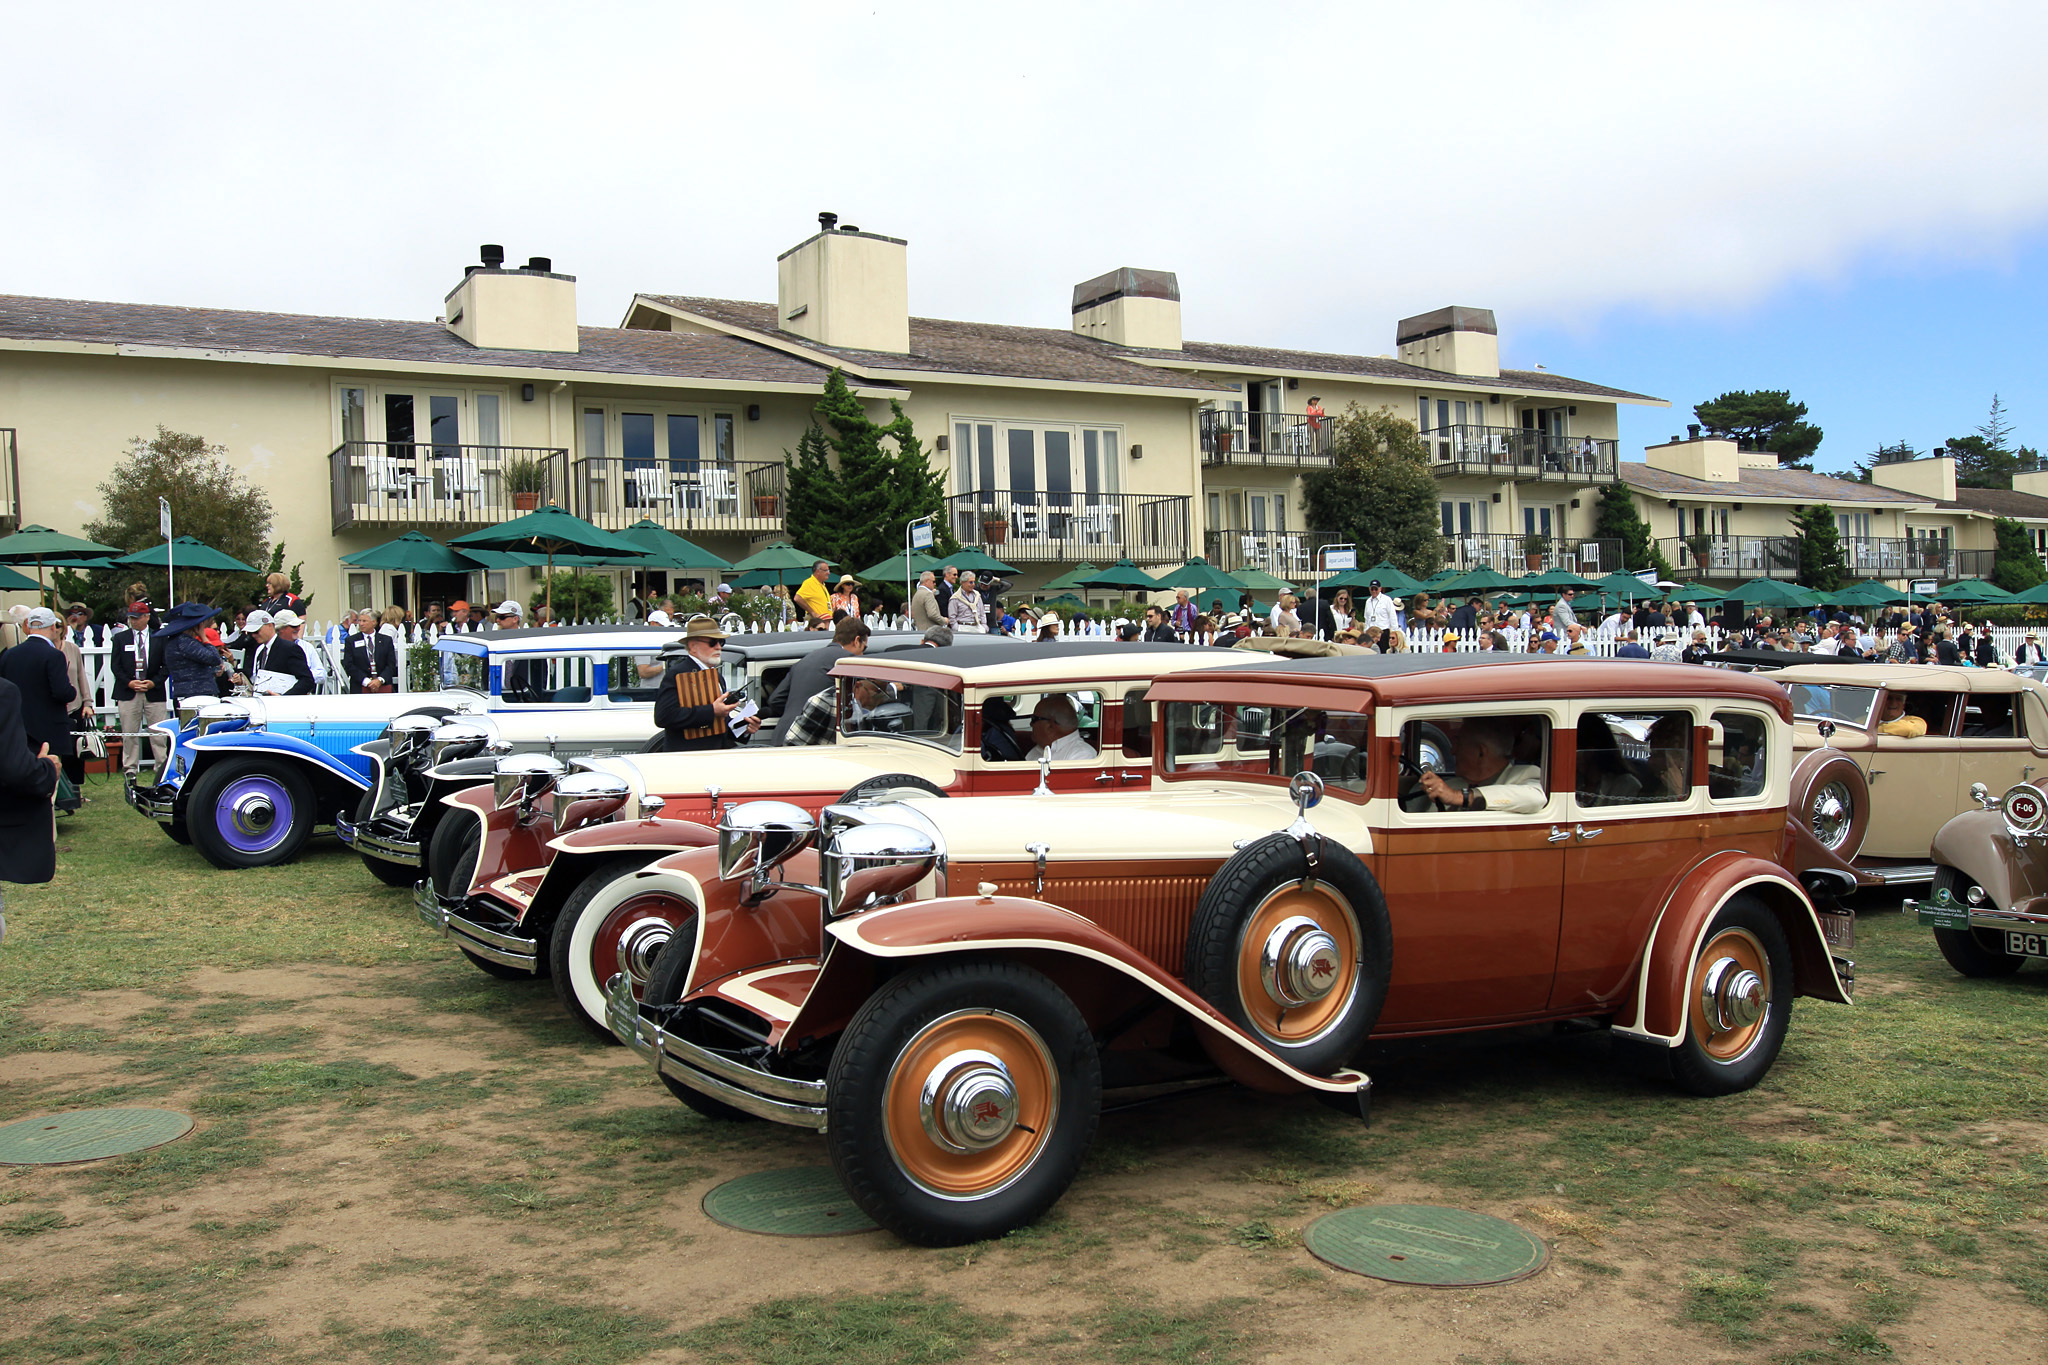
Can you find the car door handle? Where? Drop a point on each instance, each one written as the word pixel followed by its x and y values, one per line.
pixel 1130 776
pixel 1585 833
pixel 1103 779
pixel 1557 836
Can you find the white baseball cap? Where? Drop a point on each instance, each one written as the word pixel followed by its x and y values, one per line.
pixel 284 618
pixel 659 618
pixel 258 619
pixel 509 609
pixel 39 618
pixel 725 587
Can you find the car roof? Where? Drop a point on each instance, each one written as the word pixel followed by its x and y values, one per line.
pixel 636 639
pixel 1003 662
pixel 1413 679
pixel 1912 678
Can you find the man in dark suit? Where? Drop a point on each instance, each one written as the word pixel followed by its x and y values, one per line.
pixel 139 691
pixel 357 655
pixel 36 667
pixel 28 779
pixel 283 655
pixel 811 674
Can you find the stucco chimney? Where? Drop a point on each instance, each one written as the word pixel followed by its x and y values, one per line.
pixel 845 287
pixel 514 310
pixel 1711 458
pixel 1933 477
pixel 1461 341
pixel 1130 307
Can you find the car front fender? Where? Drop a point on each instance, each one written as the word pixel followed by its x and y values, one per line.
pixel 1978 845
pixel 242 743
pixel 574 852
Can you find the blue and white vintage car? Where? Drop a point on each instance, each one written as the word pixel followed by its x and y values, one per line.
pixel 250 778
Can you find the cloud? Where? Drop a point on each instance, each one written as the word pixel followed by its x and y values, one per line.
pixel 1311 173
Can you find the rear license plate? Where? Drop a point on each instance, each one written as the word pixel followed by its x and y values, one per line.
pixel 1838 930
pixel 2026 945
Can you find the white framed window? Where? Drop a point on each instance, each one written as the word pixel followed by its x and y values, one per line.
pixel 432 419
pixel 1037 463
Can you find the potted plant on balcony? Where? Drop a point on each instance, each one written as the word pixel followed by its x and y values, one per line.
pixel 765 504
pixel 1225 434
pixel 994 526
pixel 1701 548
pixel 525 480
pixel 1535 545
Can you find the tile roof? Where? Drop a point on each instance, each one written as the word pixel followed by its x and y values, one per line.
pixel 1395 371
pixel 2000 502
pixel 606 350
pixel 966 348
pixel 1762 483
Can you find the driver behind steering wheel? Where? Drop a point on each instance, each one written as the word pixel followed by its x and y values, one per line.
pixel 1490 780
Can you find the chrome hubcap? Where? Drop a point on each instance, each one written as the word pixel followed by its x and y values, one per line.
pixel 969 1102
pixel 1731 996
pixel 640 943
pixel 253 815
pixel 1831 815
pixel 1298 962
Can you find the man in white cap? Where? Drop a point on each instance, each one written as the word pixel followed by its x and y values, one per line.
pixel 518 675
pixel 36 667
pixel 293 657
pixel 139 688
pixel 691 708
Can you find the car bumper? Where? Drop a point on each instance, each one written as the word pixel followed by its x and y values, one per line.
pixel 385 838
pixel 493 945
pixel 159 802
pixel 801 1104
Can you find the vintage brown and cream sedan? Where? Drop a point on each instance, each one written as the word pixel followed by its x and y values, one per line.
pixel 1921 735
pixel 1989 904
pixel 516 863
pixel 1332 849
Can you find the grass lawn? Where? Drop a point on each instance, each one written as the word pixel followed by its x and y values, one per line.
pixel 399 1160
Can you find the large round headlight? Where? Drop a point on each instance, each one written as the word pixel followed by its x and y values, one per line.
pixel 454 741
pixel 525 778
pixel 755 836
pixel 408 736
pixel 2026 810
pixel 584 798
pixel 227 715
pixel 869 865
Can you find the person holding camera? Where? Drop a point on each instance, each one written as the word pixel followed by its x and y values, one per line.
pixel 694 708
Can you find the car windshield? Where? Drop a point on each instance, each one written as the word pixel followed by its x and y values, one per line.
pixel 1835 702
pixel 870 707
pixel 1203 737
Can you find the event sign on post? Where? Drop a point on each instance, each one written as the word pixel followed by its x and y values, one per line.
pixel 163 526
pixel 916 536
pixel 1342 558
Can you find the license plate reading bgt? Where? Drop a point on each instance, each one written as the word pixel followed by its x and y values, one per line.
pixel 2026 945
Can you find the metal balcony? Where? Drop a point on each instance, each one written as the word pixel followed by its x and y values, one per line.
pixel 1515 555
pixel 407 483
pixel 1279 440
pixel 1026 526
pixel 1520 453
pixel 1289 554
pixel 1881 557
pixel 743 497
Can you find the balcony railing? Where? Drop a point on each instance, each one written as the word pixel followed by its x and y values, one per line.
pixel 1032 527
pixel 1520 453
pixel 1890 558
pixel 1290 554
pixel 402 483
pixel 1510 554
pixel 10 483
pixel 1285 440
pixel 745 497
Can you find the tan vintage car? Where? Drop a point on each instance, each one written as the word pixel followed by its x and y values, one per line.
pixel 1330 850
pixel 1981 725
pixel 1989 904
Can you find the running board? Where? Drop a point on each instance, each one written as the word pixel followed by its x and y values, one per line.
pixel 1900 874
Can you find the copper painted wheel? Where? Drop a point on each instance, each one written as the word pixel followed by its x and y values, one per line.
pixel 972 1099
pixel 1731 994
pixel 1298 962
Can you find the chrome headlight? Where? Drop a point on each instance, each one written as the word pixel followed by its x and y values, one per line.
pixel 2026 810
pixel 408 736
pixel 454 740
pixel 869 865
pixel 226 715
pixel 755 836
pixel 525 778
pixel 585 798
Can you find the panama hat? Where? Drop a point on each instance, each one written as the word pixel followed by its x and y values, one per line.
pixel 702 628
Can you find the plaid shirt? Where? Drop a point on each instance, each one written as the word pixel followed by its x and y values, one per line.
pixel 817 723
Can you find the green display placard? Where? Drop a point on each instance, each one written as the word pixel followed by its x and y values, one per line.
pixel 1424 1244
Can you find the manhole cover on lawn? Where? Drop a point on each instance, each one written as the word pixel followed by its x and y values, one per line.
pixel 1423 1244
pixel 88 1135
pixel 807 1201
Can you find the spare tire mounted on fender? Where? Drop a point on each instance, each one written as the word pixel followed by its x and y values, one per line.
pixel 1831 797
pixel 1297 954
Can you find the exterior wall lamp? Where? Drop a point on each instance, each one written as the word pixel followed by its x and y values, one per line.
pixel 526 393
pixel 1137 452
pixel 753 412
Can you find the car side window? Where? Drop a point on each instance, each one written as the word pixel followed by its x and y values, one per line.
pixel 1478 764
pixel 633 677
pixel 1137 724
pixel 1633 758
pixel 1990 715
pixel 1738 755
pixel 1014 726
pixel 558 680
pixel 1270 741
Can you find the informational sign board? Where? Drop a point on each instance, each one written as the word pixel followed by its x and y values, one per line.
pixel 921 535
pixel 163 517
pixel 1921 587
pixel 1340 560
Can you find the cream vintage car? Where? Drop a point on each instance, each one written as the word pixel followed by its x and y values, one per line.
pixel 1983 725
pixel 1988 907
pixel 1330 850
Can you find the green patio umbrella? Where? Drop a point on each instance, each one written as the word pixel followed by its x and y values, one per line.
pixel 1258 580
pixel 1481 580
pixel 977 559
pixel 1199 573
pixel 552 532
pixel 1769 592
pixel 38 545
pixel 1439 578
pixel 1553 579
pixel 667 550
pixel 1072 578
pixel 1695 592
pixel 898 566
pixel 186 552
pixel 1869 593
pixel 1065 601
pixel 1627 585
pixel 1973 590
pixel 1125 575
pixel 10 581
pixel 2033 597
pixel 1392 581
pixel 410 553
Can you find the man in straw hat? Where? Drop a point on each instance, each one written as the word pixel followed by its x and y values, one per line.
pixel 692 709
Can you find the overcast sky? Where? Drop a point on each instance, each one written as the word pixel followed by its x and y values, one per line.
pixel 1849 200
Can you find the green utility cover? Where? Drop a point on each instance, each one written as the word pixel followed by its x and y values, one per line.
pixel 806 1201
pixel 1423 1244
pixel 88 1135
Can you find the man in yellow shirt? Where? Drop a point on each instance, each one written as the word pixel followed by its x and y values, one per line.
pixel 1897 723
pixel 815 598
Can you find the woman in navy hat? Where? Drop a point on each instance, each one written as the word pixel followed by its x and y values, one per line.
pixel 193 664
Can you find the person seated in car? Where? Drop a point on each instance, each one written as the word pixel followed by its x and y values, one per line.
pixel 1897 723
pixel 1492 781
pixel 1054 727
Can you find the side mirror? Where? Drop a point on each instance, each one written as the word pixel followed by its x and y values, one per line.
pixel 1307 790
pixel 1826 730
pixel 756 836
pixel 868 865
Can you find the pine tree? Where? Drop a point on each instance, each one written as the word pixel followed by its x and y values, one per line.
pixel 1820 549
pixel 855 484
pixel 1378 492
pixel 1617 519
pixel 2017 566
pixel 811 508
pixel 1766 419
